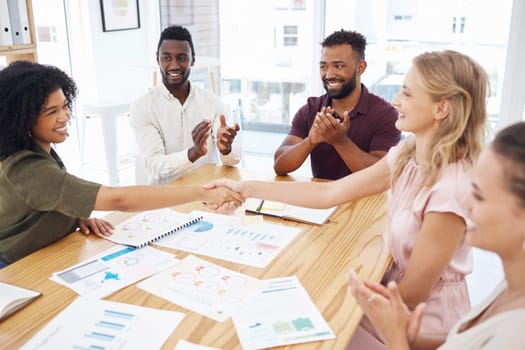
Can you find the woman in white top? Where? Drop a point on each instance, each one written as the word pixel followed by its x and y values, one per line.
pixel 496 206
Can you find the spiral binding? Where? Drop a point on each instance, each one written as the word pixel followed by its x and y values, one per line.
pixel 178 228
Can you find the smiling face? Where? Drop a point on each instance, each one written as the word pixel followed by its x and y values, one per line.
pixel 51 124
pixel 340 70
pixel 496 213
pixel 417 110
pixel 175 61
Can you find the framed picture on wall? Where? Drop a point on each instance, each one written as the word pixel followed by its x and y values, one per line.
pixel 120 15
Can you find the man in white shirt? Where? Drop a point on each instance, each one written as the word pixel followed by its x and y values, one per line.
pixel 178 125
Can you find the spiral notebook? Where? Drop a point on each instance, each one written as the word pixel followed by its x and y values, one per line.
pixel 150 226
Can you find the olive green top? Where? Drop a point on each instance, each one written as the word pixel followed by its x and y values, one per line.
pixel 40 202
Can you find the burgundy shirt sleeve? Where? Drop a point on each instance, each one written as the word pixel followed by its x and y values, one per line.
pixel 386 134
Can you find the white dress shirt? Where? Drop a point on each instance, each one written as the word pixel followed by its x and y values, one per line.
pixel 163 131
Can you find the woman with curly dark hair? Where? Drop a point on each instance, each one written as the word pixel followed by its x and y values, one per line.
pixel 40 202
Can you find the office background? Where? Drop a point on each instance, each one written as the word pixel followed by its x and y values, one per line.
pixel 262 58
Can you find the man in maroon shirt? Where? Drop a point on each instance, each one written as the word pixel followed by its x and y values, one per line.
pixel 348 128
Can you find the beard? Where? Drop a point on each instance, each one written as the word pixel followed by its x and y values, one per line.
pixel 345 90
pixel 175 85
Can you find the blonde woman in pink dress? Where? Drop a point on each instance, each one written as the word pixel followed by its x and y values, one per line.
pixel 496 206
pixel 442 103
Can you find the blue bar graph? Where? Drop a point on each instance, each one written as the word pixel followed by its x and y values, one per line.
pixel 88 347
pixel 111 325
pixel 118 314
pixel 100 336
pixel 117 254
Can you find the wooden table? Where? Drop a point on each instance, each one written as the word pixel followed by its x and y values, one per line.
pixel 319 256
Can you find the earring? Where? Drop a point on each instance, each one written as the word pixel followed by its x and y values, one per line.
pixel 29 134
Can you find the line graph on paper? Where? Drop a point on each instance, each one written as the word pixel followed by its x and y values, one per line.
pixel 203 287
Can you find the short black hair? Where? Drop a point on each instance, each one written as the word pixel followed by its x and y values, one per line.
pixel 24 89
pixel 509 144
pixel 176 33
pixel 354 39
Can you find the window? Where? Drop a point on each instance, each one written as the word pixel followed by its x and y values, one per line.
pixel 289 5
pixel 416 26
pixel 462 25
pixel 402 18
pixel 290 35
pixel 268 56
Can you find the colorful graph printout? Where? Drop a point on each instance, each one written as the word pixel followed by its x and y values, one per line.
pixel 114 269
pixel 91 324
pixel 149 226
pixel 225 237
pixel 281 314
pixel 203 287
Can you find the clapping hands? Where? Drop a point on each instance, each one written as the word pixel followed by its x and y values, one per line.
pixel 200 135
pixel 328 127
pixel 225 136
pixel 386 310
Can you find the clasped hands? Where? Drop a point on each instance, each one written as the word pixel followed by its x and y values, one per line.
pixel 226 195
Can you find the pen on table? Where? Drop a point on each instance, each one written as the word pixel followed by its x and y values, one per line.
pixel 260 206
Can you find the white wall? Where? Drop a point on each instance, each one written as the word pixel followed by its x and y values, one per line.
pixel 111 67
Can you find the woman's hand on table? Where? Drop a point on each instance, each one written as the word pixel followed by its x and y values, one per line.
pixel 97 226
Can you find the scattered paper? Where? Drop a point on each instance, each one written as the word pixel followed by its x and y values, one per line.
pixel 203 287
pixel 281 314
pixel 113 269
pixel 225 237
pixel 88 324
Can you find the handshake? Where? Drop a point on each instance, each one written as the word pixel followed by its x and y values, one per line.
pixel 223 195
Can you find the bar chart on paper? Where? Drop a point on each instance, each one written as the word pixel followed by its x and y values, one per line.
pixel 281 314
pixel 225 237
pixel 106 325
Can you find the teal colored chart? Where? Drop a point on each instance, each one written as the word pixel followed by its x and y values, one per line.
pixel 201 226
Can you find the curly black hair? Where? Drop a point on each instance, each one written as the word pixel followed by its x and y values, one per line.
pixel 24 89
pixel 354 39
pixel 176 33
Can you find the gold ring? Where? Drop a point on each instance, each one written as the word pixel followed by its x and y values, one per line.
pixel 371 297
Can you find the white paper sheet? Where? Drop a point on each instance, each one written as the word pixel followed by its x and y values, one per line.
pixel 225 237
pixel 203 287
pixel 281 314
pixel 113 269
pixel 88 324
pixel 186 345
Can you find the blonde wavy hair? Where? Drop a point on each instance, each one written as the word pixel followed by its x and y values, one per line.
pixel 453 76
